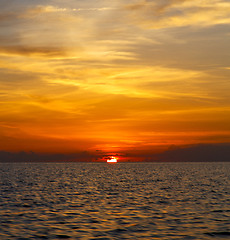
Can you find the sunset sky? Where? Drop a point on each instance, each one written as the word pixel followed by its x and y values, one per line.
pixel 113 76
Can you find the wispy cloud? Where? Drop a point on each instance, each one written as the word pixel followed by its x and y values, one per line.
pixel 178 13
pixel 33 51
pixel 41 9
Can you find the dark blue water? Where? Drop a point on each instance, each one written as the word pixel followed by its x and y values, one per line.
pixel 115 201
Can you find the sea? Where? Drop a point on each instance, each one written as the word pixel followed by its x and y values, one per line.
pixel 114 201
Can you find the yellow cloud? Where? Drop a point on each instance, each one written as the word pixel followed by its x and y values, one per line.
pixel 197 13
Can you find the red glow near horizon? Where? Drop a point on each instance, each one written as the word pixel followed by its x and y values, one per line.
pixel 112 160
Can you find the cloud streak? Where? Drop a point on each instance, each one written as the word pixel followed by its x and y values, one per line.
pixel 168 14
pixel 33 51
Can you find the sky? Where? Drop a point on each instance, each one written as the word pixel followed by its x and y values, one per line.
pixel 113 76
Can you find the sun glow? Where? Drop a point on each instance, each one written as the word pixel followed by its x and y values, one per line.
pixel 112 160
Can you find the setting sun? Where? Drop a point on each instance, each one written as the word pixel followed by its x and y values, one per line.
pixel 112 160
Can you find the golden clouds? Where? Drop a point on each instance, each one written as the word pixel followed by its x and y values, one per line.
pixel 179 13
pixel 114 74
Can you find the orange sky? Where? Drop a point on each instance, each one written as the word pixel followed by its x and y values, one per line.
pixel 113 75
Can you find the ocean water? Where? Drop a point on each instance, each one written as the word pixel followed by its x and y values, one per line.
pixel 114 201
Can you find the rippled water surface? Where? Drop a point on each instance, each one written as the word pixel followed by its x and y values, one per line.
pixel 114 201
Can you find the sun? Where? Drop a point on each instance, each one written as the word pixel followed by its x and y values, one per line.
pixel 112 160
